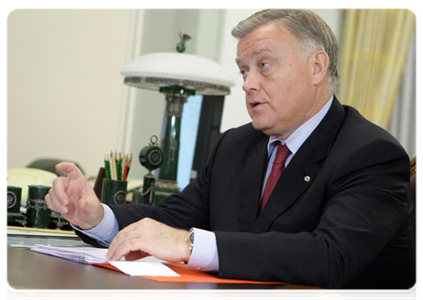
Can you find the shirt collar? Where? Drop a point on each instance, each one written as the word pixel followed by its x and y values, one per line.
pixel 298 137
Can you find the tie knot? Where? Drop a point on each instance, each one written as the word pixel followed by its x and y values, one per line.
pixel 282 154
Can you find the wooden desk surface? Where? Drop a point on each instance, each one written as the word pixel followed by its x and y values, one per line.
pixel 30 270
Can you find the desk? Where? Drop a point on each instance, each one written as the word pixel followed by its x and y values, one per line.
pixel 30 270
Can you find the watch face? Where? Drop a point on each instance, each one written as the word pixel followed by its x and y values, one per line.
pixel 191 237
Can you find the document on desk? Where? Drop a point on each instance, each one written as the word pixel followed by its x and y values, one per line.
pixel 148 266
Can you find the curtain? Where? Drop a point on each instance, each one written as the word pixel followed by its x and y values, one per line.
pixel 376 44
pixel 403 121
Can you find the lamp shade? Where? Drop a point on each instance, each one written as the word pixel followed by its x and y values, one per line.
pixel 155 70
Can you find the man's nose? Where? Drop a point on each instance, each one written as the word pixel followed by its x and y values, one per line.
pixel 251 82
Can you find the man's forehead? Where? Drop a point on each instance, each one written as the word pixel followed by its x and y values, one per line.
pixel 265 39
pixel 263 49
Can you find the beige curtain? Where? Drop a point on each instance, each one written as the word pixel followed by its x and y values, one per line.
pixel 376 43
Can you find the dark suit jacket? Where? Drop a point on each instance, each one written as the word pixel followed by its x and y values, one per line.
pixel 347 227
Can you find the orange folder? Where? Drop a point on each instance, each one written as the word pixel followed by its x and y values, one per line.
pixel 188 275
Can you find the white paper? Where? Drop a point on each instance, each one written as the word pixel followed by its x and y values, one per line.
pixel 89 255
pixel 141 268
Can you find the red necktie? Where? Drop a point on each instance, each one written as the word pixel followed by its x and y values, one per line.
pixel 277 169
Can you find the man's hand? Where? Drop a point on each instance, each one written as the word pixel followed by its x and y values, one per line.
pixel 150 237
pixel 74 198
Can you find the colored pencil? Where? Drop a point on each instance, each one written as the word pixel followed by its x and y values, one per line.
pixel 117 165
pixel 107 166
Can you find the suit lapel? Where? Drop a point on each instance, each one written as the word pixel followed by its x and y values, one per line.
pixel 252 177
pixel 295 179
pixel 303 168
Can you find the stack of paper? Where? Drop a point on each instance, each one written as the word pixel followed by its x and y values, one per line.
pixel 28 237
pixel 149 267
pixel 42 232
pixel 88 255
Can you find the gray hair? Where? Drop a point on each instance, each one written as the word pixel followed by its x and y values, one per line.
pixel 309 28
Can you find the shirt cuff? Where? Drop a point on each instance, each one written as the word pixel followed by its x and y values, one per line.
pixel 204 254
pixel 106 230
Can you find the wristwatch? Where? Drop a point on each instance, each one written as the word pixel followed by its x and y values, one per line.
pixel 190 240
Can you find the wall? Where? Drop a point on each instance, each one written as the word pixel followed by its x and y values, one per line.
pixel 64 86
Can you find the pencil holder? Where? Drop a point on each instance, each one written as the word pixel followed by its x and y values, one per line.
pixel 114 191
pixel 13 199
pixel 37 212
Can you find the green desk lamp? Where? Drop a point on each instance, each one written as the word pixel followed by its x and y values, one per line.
pixel 177 76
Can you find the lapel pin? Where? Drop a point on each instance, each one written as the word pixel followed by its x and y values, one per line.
pixel 307 178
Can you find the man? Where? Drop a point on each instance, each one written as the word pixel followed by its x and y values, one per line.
pixel 308 193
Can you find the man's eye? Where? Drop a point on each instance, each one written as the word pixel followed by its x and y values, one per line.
pixel 244 73
pixel 265 65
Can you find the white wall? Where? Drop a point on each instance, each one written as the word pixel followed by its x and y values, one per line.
pixel 64 87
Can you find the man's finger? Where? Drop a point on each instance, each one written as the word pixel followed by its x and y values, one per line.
pixel 54 204
pixel 135 255
pixel 60 185
pixel 71 169
pixel 120 238
pixel 126 247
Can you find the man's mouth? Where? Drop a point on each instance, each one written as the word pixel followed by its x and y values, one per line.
pixel 254 104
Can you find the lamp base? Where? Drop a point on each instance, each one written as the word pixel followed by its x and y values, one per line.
pixel 163 190
pixel 176 97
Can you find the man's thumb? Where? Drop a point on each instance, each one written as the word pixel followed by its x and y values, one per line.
pixel 70 169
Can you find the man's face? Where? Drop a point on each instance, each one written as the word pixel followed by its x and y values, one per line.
pixel 277 80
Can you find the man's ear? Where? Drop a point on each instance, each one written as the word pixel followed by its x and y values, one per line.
pixel 320 66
